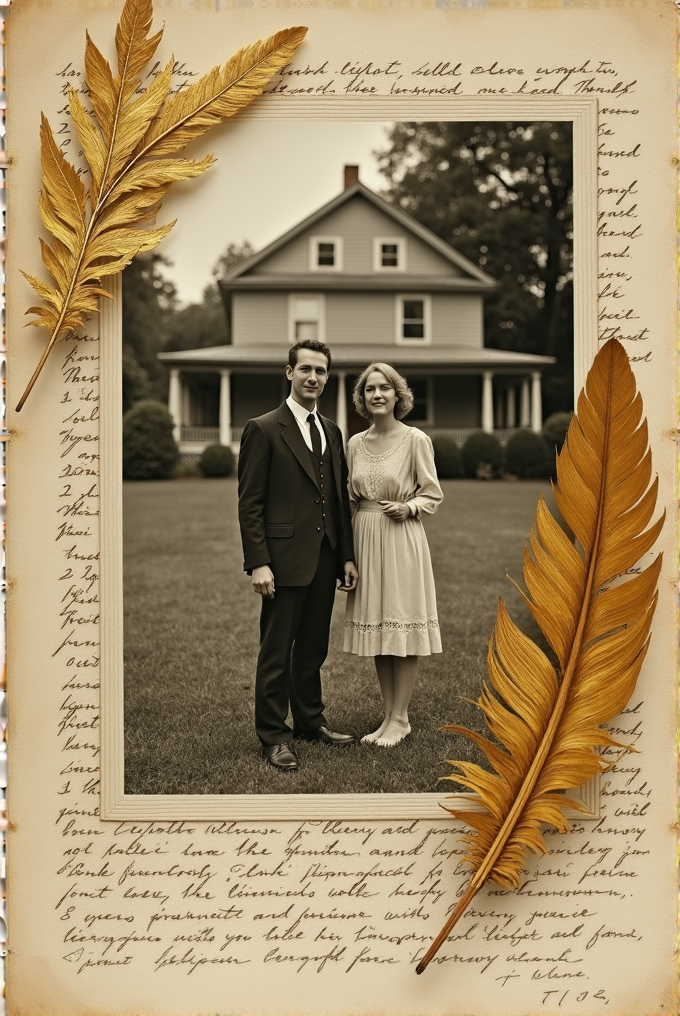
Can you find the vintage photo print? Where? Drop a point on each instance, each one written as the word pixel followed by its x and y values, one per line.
pixel 208 816
pixel 442 249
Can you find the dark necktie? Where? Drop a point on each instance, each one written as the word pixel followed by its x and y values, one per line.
pixel 316 437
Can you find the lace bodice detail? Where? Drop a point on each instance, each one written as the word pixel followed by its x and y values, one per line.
pixel 404 473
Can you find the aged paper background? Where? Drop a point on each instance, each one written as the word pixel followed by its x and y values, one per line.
pixel 240 916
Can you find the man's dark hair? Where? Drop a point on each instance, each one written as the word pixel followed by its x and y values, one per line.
pixel 313 344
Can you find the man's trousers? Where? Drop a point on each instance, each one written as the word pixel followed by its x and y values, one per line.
pixel 294 631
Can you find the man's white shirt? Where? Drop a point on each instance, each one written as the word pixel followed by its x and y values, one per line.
pixel 301 414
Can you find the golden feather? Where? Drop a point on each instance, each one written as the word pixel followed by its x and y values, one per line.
pixel 549 721
pixel 124 140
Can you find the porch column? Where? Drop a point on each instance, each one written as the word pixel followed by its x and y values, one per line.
pixel 536 406
pixel 510 409
pixel 524 405
pixel 341 408
pixel 175 403
pixel 187 409
pixel 487 401
pixel 225 406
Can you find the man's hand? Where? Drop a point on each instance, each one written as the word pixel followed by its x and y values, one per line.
pixel 397 510
pixel 351 577
pixel 263 581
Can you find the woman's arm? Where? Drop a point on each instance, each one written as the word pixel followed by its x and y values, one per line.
pixel 428 494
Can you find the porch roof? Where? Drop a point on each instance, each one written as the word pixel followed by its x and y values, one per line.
pixel 399 282
pixel 441 359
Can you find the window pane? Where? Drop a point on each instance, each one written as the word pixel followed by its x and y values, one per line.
pixel 389 255
pixel 326 254
pixel 414 331
pixel 414 310
pixel 306 330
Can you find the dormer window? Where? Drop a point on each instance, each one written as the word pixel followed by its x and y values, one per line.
pixel 325 253
pixel 389 254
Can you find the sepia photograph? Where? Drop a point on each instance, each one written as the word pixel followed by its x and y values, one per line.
pixel 345 379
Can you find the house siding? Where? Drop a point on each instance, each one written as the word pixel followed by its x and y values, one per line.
pixel 457 320
pixel 352 318
pixel 259 318
pixel 262 318
pixel 357 222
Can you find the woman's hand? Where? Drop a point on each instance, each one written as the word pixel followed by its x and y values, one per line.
pixel 397 510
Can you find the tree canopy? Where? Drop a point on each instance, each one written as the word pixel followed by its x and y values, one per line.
pixel 149 303
pixel 206 323
pixel 154 322
pixel 500 194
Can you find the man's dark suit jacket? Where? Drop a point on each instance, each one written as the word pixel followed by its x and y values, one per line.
pixel 280 510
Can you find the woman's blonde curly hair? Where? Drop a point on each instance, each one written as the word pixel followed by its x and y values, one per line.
pixel 404 403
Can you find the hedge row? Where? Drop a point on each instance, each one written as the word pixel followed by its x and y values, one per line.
pixel 526 455
pixel 150 451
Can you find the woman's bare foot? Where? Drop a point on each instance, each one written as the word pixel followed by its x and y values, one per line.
pixel 372 738
pixel 394 732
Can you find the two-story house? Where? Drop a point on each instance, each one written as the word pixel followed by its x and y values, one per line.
pixel 363 276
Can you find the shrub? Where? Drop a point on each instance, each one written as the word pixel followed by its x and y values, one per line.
pixel 485 451
pixel 187 469
pixel 447 458
pixel 527 455
pixel 216 460
pixel 149 449
pixel 555 429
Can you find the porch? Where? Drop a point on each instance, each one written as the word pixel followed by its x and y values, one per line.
pixel 457 391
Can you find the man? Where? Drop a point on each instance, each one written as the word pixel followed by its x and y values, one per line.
pixel 297 541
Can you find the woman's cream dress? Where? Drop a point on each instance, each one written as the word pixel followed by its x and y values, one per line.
pixel 393 610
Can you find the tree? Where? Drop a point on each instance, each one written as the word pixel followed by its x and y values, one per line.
pixel 149 302
pixel 500 194
pixel 206 324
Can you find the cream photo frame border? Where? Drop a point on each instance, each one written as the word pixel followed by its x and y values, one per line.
pixel 115 804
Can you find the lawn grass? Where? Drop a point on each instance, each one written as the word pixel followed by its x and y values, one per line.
pixel 191 623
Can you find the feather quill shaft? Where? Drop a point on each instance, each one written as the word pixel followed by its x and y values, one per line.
pixel 549 721
pixel 126 143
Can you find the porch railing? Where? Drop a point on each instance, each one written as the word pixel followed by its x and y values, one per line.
pixel 200 435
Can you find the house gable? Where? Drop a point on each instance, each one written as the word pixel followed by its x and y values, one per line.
pixel 355 220
pixel 357 224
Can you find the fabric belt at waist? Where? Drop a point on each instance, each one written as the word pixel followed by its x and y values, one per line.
pixel 369 506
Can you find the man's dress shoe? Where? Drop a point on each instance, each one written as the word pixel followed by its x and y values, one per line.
pixel 324 735
pixel 281 756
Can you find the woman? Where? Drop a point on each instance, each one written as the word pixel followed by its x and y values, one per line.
pixel 392 614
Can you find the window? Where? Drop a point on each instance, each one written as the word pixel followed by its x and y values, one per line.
pixel 413 320
pixel 389 254
pixel 305 317
pixel 325 253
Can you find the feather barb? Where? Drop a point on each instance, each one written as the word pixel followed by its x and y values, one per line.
pixel 549 720
pixel 124 141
